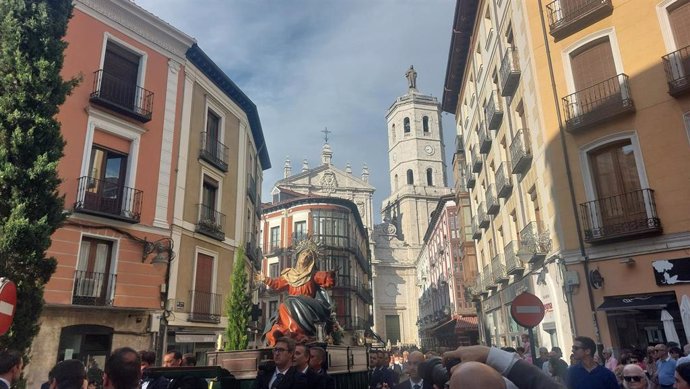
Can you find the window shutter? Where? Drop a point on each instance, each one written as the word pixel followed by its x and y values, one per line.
pixel 204 273
pixel 679 17
pixel 593 64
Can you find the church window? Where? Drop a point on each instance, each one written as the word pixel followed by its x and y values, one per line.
pixel 410 177
pixel 425 124
pixel 406 123
pixel 393 132
pixel 429 177
pixel 396 182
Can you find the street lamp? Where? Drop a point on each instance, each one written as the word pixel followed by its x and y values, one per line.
pixel 163 248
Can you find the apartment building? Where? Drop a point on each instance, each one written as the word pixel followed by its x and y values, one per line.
pixel 217 203
pixel 121 127
pixel 446 317
pixel 504 166
pixel 619 96
pixel 337 225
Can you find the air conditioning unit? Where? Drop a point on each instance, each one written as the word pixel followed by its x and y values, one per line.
pixel 572 278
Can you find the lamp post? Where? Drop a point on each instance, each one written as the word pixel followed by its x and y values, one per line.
pixel 164 256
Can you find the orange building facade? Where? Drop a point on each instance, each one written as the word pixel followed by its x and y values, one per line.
pixel 123 115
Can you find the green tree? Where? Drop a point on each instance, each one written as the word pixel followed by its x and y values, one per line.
pixel 238 305
pixel 31 209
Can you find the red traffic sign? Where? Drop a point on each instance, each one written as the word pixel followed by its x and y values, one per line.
pixel 8 304
pixel 527 310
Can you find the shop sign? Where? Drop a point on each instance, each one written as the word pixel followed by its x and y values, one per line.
pixel 195 338
pixel 671 271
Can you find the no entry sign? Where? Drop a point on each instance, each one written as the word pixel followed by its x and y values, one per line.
pixel 8 304
pixel 527 310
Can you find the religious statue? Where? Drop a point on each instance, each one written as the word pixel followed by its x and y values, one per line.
pixel 411 75
pixel 307 302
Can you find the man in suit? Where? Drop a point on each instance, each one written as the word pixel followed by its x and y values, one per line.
pixel 281 374
pixel 382 376
pixel 69 374
pixel 11 365
pixel 317 357
pixel 414 359
pixel 301 362
pixel 122 369
pixel 172 359
pixel 148 359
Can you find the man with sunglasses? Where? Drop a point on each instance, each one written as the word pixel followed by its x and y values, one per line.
pixel 586 373
pixel 280 374
pixel 634 377
pixel 665 367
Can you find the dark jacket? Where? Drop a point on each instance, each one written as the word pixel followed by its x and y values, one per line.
pixel 328 382
pixel 527 376
pixel 379 376
pixel 292 380
pixel 408 385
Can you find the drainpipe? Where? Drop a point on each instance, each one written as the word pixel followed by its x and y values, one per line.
pixel 578 226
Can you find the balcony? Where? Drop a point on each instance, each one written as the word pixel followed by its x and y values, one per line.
pixel 211 222
pixel 520 152
pixel 504 181
pixel 620 217
pixel 493 113
pixel 206 307
pixel 535 242
pixel 498 270
pixel 514 265
pixel 484 139
pixel 598 103
pixel 476 230
pixel 477 162
pixel 492 204
pixel 214 152
pixel 92 288
pixel 488 279
pixel 251 188
pixel 108 198
pixel 483 218
pixel 253 252
pixel 510 72
pixel 566 17
pixel 365 293
pixel 677 67
pixel 122 96
pixel 471 181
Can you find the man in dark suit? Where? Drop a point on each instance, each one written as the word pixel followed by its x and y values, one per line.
pixel 414 359
pixel 68 374
pixel 317 357
pixel 122 369
pixel 11 366
pixel 281 374
pixel 148 359
pixel 301 362
pixel 382 375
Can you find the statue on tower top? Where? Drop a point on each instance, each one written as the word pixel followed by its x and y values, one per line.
pixel 411 76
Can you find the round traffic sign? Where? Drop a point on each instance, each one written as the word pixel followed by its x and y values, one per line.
pixel 527 310
pixel 8 304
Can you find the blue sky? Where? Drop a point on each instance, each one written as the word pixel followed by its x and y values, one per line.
pixel 310 64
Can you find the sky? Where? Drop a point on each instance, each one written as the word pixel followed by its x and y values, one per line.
pixel 311 64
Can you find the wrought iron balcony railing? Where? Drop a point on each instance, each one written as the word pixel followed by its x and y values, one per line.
pixel 483 217
pixel 471 180
pixel 513 263
pixel 492 204
pixel 476 230
pixel 535 242
pixel 566 17
pixel 211 222
pixel 108 198
pixel 477 162
pixel 510 71
pixel 93 288
pixel 122 96
pixel 213 152
pixel 520 152
pixel 487 278
pixel 494 112
pixel 484 139
pixel 498 269
pixel 598 103
pixel 504 181
pixel 251 188
pixel 206 307
pixel 624 216
pixel 677 67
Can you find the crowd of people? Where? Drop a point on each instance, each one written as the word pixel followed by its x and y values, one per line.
pixel 296 366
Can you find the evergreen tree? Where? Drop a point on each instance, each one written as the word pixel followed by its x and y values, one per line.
pixel 31 209
pixel 238 306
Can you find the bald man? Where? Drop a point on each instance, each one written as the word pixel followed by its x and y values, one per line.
pixel 414 359
pixel 634 377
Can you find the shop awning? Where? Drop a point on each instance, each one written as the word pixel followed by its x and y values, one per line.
pixel 444 325
pixel 467 323
pixel 649 301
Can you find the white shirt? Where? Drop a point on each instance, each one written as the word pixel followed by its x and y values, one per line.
pixel 9 385
pixel 275 375
pixel 683 360
pixel 420 383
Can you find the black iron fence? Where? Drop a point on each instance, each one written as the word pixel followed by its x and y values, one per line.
pixel 108 197
pixel 677 67
pixel 213 151
pixel 206 307
pixel 211 222
pixel 93 288
pixel 598 102
pixel 122 96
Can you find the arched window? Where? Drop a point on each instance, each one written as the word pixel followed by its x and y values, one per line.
pixel 425 123
pixel 393 132
pixel 395 182
pixel 410 177
pixel 406 123
pixel 429 177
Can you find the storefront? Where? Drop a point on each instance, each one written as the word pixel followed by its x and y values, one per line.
pixel 196 343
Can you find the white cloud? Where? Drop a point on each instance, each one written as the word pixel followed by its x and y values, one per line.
pixel 310 64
